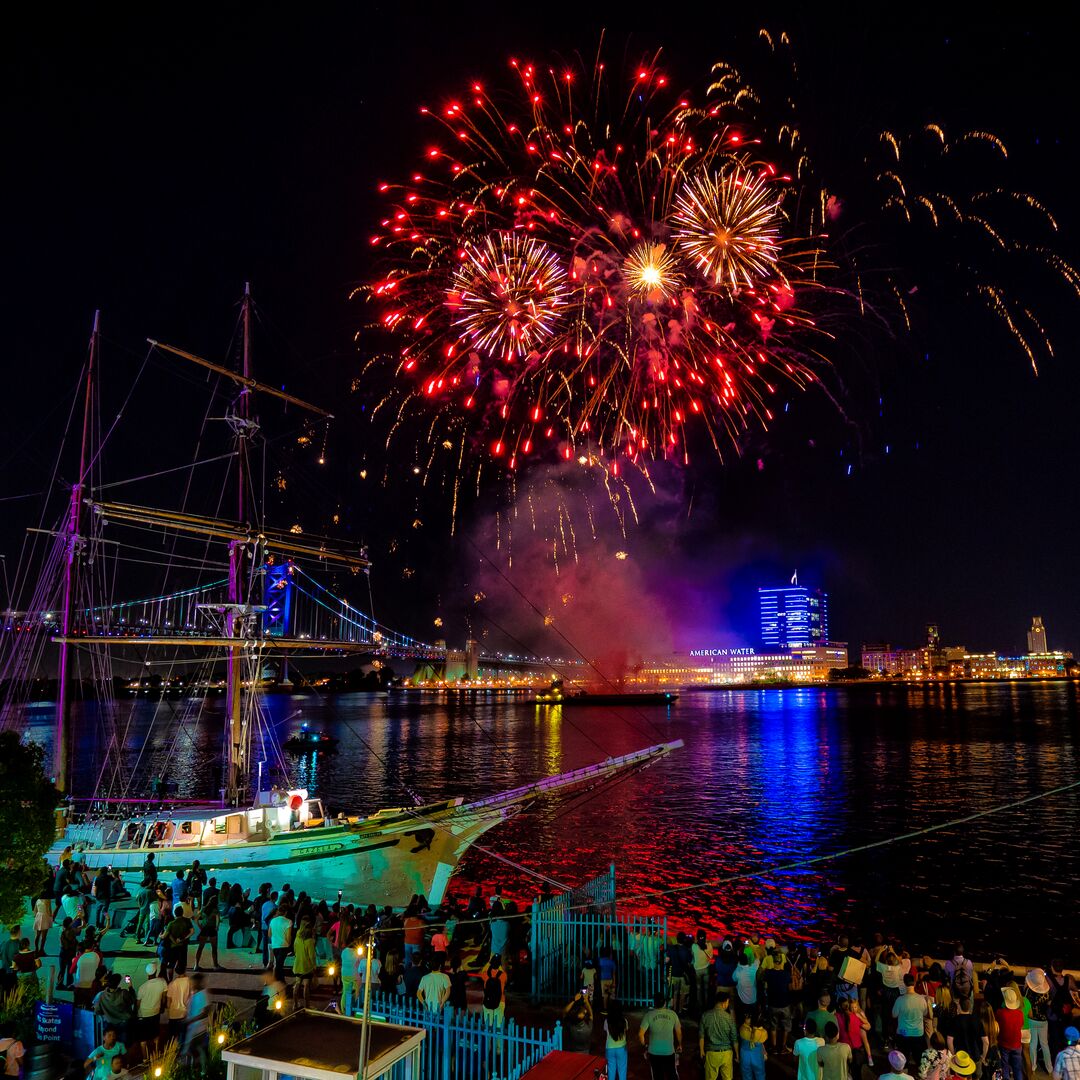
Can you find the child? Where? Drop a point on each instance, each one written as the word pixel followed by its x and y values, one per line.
pixel 588 979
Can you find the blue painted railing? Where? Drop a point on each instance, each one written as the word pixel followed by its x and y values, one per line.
pixel 567 928
pixel 463 1045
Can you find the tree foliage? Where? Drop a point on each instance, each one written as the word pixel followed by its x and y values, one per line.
pixel 27 824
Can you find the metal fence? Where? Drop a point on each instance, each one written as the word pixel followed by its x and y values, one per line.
pixel 566 929
pixel 464 1046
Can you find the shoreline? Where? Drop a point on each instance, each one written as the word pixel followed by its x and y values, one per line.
pixel 842 684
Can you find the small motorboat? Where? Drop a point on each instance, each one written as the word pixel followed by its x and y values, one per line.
pixel 556 695
pixel 306 741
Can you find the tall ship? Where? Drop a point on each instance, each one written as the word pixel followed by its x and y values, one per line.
pixel 222 628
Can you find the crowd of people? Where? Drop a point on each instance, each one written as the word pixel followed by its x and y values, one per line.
pixel 855 1010
pixel 305 946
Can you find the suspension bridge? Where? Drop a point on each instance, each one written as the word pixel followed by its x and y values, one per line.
pixel 298 613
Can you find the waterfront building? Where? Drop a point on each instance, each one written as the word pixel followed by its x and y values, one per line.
pixel 1036 636
pixel 722 666
pixel 976 666
pixel 1046 665
pixel 793 616
pixel 883 659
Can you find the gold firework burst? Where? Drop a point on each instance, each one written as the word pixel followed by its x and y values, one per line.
pixel 508 294
pixel 728 226
pixel 652 272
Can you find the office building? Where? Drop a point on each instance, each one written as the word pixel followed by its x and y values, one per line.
pixel 722 666
pixel 1036 636
pixel 793 617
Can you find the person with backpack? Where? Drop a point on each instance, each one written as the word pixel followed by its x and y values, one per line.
pixel 777 978
pixel 196 882
pixel 1064 1003
pixel 960 972
pixel 102 894
pixel 495 992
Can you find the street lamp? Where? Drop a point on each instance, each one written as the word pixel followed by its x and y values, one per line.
pixel 365 1042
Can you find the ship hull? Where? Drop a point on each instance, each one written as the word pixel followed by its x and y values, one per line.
pixel 381 867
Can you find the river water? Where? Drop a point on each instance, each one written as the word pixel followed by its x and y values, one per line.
pixel 767 777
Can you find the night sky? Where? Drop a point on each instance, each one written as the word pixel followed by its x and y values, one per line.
pixel 154 162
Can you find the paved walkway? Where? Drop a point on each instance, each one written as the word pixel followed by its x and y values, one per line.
pixel 238 981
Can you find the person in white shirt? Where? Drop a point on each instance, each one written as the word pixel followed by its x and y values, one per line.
pixel 362 970
pixel 280 940
pixel 178 998
pixel 434 990
pixel 151 1000
pixel 746 984
pixel 701 953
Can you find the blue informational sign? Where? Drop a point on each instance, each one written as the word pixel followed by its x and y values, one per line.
pixel 278 598
pixel 52 1022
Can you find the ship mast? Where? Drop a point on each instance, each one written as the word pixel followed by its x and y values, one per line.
pixel 73 544
pixel 236 617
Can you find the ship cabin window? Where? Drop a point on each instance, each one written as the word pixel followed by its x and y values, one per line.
pixel 256 828
pixel 230 826
pixel 160 834
pixel 132 834
pixel 188 834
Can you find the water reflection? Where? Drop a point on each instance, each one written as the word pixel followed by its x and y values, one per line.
pixel 766 776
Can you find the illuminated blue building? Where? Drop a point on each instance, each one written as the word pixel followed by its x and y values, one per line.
pixel 793 616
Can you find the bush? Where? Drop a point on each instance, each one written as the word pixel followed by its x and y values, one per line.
pixel 17 1008
pixel 27 823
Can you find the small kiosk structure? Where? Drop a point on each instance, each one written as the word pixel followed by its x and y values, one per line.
pixel 325 1046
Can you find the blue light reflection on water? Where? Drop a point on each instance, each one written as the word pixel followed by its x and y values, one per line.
pixel 766 776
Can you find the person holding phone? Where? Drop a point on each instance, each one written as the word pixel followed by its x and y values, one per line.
pixel 578 1023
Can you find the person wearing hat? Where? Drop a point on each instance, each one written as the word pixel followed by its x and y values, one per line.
pixel 1037 992
pixel 702 955
pixel 962 1064
pixel 150 1000
pixel 777 981
pixel 1010 1021
pixel 965 1033
pixel 752 1037
pixel 897 1065
pixel 725 964
pixel 1067 1064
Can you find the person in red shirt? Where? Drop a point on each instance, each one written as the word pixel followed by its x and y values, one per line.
pixel 414 937
pixel 1010 1020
